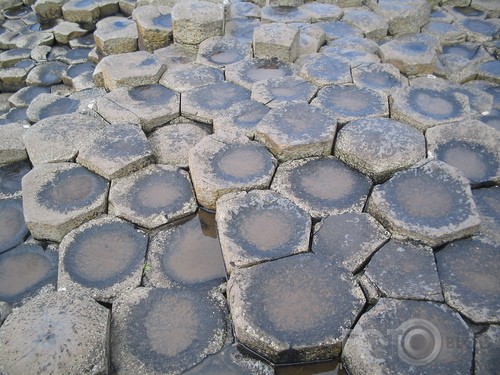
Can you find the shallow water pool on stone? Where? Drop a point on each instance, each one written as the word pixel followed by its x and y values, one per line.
pixel 461 50
pixel 163 20
pixel 437 105
pixel 241 163
pixel 59 107
pixel 13 229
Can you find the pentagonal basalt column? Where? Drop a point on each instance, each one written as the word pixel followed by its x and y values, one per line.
pixel 404 270
pixel 102 258
pixel 204 103
pixel 348 240
pixel 116 35
pixel 486 349
pixel 13 229
pixel 153 196
pixel 378 77
pixel 468 274
pixel 221 51
pixel 16 284
pixel 294 309
pixel 430 202
pixel 259 226
pixel 32 336
pixel 59 197
pixel 187 253
pixel 190 76
pixel 470 146
pixel 117 150
pixel 158 331
pixel 149 105
pixel 221 165
pixel 240 119
pixel 10 179
pixel 398 147
pixel 324 70
pixel 281 92
pixel 350 103
pixel 489 210
pixel 297 131
pixel 396 336
pixel 154 25
pixel 322 186
pixel 425 107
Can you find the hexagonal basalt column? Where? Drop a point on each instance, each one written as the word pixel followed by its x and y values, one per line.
pixel 240 119
pixel 116 35
pixel 276 40
pixel 13 229
pixel 149 105
pixel 103 258
pixel 425 107
pixel 117 150
pixel 322 186
pixel 397 336
pixel 153 196
pixel 378 77
pixel 404 270
pixel 471 147
pixel 81 11
pixel 350 103
pixel 348 240
pixel 158 331
pixel 190 76
pixel 32 336
pixel 59 197
pixel 284 14
pixel 297 131
pixel 487 202
pixel 258 226
pixel 403 17
pixel 468 273
pixel 281 92
pixel 324 70
pixel 221 165
pixel 154 25
pixel 195 21
pixel 203 104
pixel 187 253
pixel 398 146
pixel 221 51
pixel 430 202
pixel 294 309
pixel 486 349
pixel 371 24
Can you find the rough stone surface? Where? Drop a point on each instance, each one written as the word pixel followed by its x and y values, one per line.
pixel 489 210
pixel 259 226
pixel 59 197
pixel 283 313
pixel 32 336
pixel 154 25
pixel 467 270
pixel 324 70
pixel 47 105
pixel 281 92
pixel 403 16
pixel 487 345
pixel 371 24
pixel 190 76
pixel 378 77
pixel 322 186
pixel 13 229
pixel 221 51
pixel 276 40
pixel 116 35
pixel 241 119
pixel 12 147
pixel 81 11
pixel 10 179
pixel 46 74
pixel 430 202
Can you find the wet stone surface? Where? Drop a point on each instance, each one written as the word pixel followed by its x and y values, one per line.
pixel 431 202
pixel 259 226
pixel 467 270
pixel 32 336
pixel 153 196
pixel 59 197
pixel 487 345
pixel 241 118
pixel 48 105
pixel 13 229
pixel 221 51
pixel 323 70
pixel 25 271
pixel 10 179
pixel 186 253
pixel 378 77
pixel 322 186
pixel 423 328
pixel 487 202
pixel 348 240
pixel 281 92
pixel 157 331
pixel 284 313
pixel 102 258
pixel 190 76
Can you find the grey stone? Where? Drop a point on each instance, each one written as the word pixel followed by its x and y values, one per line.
pixel 10 57
pixel 127 7
pixel 490 7
pixel 195 21
pixel 80 76
pixel 241 118
pixel 354 42
pixel 221 51
pixel 12 147
pixel 103 258
pixel 322 12
pixel 352 56
pixel 81 11
pixel 297 131
pixel 311 38
pixel 241 28
pixel 32 336
pixel 459 62
pixel 60 138
pixel 348 240
pixel 445 33
pixel 324 70
pixel 384 340
pixel 48 9
pixel 5 310
pixel 66 31
pixel 430 202
pixel 154 25
pixel 149 106
pixel 489 70
pixel 372 25
pixel 153 196
pixel 486 349
pixel 187 253
pixel 378 77
pixel 479 30
pixel 284 14
pixel 204 103
pixel 17 285
pixel 470 146
pixel 46 74
pixel 404 270
pixel 403 16
pixel 116 35
pixel 158 331
pixel 14 78
pixel 349 103
pixel 48 105
pixel 13 229
pixel 284 3
pixel 116 151
pixel 221 165
pixel 10 179
pixel 259 226
pixel 469 277
pixel 15 116
pixel 176 55
pixel 284 91
pixel 243 10
pixel 190 76
pixel 294 309
pixel 398 147
pixel 137 68
pixel 59 197
pixel 276 40
pixel 33 39
pixel 489 210
pixel 464 11
pixel 322 186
